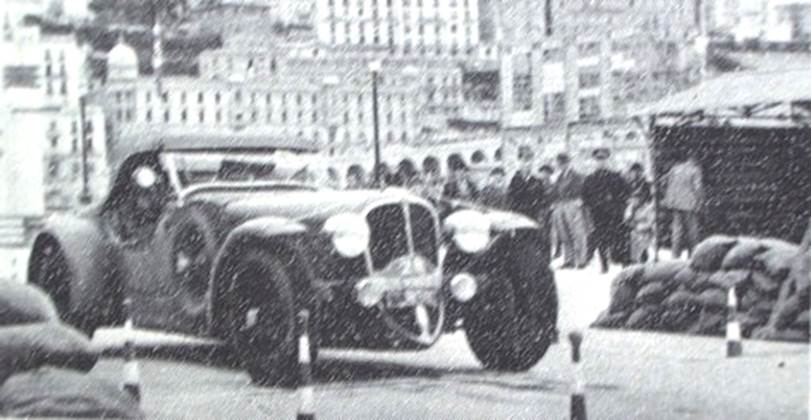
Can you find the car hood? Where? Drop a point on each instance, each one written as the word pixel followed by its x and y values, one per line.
pixel 308 206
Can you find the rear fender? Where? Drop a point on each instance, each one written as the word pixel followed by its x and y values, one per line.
pixel 278 236
pixel 96 289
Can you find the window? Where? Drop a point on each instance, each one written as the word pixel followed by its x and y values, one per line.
pixel 522 92
pixel 589 108
pixel 166 116
pixel 183 116
pixel 588 48
pixel 554 106
pixel 200 98
pixel 589 78
pixel 148 116
pixel 201 116
pixel 217 98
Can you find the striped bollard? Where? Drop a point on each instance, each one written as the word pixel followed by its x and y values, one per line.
pixel 306 410
pixel 132 375
pixel 733 328
pixel 578 397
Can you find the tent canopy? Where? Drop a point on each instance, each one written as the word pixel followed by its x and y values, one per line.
pixel 737 90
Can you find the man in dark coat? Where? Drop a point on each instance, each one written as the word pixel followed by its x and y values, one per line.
pixel 526 194
pixel 605 193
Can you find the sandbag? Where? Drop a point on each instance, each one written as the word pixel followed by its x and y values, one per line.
pixel 629 276
pixel 742 255
pixel 651 294
pixel 646 317
pixel 765 283
pixel 30 346
pixel 681 298
pixel 610 320
pixel 701 282
pixel 787 312
pixel 713 298
pixel 777 260
pixel 64 393
pixel 663 272
pixel 802 321
pixel 679 318
pixel 709 323
pixel 22 303
pixel 727 279
pixel 710 253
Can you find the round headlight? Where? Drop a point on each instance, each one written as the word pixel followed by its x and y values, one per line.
pixel 470 229
pixel 350 234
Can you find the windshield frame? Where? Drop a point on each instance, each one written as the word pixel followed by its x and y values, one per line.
pixel 169 161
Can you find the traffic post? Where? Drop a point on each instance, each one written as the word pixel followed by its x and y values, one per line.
pixel 306 410
pixel 733 327
pixel 578 397
pixel 132 375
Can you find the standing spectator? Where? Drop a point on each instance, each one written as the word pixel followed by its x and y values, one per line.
pixel 526 193
pixel 431 182
pixel 406 175
pixel 494 194
pixel 640 186
pixel 545 213
pixel 569 219
pixel 384 176
pixel 605 193
pixel 639 218
pixel 333 179
pixel 684 196
pixel 459 185
pixel 355 177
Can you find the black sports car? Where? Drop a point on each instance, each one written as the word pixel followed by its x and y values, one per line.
pixel 223 237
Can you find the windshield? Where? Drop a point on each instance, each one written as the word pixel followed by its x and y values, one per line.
pixel 197 168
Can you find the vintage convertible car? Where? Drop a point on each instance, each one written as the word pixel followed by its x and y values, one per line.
pixel 224 237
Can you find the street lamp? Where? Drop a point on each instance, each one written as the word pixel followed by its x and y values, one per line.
pixel 374 68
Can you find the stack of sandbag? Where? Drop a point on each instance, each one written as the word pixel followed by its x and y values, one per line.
pixel 691 296
pixel 43 363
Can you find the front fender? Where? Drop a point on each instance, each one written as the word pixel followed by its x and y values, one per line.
pixel 275 234
pixel 91 256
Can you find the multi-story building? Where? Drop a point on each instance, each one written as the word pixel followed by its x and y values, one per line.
pixel 564 62
pixel 430 26
pixel 299 90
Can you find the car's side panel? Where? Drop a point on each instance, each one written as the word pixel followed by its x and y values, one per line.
pixel 95 292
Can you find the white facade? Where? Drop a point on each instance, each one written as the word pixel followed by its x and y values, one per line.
pixel 411 25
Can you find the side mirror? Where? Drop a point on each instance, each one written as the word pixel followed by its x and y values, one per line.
pixel 145 177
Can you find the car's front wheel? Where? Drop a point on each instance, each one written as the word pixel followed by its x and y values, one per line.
pixel 511 324
pixel 263 324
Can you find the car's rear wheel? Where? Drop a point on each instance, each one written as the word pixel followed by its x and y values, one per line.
pixel 52 273
pixel 511 323
pixel 263 324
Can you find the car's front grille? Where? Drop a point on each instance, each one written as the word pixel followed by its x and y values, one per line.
pixel 389 233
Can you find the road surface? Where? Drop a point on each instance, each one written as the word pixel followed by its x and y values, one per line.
pixel 628 375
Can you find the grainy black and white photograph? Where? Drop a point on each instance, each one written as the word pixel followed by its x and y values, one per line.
pixel 405 209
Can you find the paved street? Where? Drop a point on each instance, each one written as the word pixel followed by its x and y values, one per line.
pixel 628 375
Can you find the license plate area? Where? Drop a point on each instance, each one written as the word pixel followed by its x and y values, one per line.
pixel 406 298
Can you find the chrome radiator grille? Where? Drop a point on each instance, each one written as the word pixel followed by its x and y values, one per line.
pixel 396 227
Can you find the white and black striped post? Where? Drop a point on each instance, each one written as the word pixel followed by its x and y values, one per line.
pixel 577 410
pixel 306 410
pixel 132 375
pixel 733 328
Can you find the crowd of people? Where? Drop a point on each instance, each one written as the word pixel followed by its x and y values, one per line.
pixel 604 213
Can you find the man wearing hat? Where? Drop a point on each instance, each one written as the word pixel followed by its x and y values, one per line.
pixel 568 219
pixel 459 185
pixel 605 193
